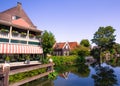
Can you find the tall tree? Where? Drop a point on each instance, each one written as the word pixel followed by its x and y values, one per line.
pixel 85 43
pixel 48 41
pixel 104 37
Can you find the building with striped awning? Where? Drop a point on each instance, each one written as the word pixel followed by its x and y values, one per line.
pixel 18 35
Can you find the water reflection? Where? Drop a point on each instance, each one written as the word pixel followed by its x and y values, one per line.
pixel 64 75
pixel 104 76
pixel 83 75
pixel 83 70
pixel 40 82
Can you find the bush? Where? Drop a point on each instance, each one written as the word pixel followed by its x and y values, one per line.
pixel 65 60
pixel 52 76
pixel 21 76
pixel 81 51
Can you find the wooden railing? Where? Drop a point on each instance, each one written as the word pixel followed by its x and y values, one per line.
pixel 5 72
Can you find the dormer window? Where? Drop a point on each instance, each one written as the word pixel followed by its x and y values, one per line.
pixel 15 17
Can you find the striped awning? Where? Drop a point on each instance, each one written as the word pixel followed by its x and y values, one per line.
pixel 6 48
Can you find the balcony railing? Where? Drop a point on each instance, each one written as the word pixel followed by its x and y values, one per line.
pixel 19 37
pixel 4 35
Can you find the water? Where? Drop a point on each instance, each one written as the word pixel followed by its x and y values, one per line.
pixel 82 75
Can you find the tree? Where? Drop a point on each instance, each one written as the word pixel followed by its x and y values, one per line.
pixel 104 37
pixel 85 42
pixel 48 41
pixel 81 51
pixel 117 48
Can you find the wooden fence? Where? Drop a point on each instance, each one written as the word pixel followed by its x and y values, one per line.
pixel 5 72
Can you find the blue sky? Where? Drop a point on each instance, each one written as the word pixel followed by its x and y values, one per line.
pixel 71 20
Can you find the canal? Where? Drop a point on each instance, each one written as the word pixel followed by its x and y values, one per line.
pixel 83 75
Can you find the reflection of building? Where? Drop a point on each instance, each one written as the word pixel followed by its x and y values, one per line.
pixel 64 75
pixel 18 35
pixel 64 48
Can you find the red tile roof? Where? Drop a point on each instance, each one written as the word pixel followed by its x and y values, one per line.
pixel 73 45
pixel 59 45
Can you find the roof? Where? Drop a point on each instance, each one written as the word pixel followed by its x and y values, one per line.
pixel 17 11
pixel 20 21
pixel 59 45
pixel 73 45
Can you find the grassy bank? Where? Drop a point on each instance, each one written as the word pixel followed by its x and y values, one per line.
pixel 64 60
pixel 67 60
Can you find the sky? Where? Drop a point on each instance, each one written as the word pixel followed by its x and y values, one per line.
pixel 70 20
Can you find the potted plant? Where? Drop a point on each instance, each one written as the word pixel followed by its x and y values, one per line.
pixel 31 35
pixel 4 30
pixel 15 32
pixel 27 59
pixel 38 36
pixel 23 34
pixel 7 59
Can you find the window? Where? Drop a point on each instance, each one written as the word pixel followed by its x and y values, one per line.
pixel 19 41
pixel 66 46
pixel 15 17
pixel 34 43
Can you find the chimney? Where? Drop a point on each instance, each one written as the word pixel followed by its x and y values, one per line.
pixel 19 4
pixel 19 7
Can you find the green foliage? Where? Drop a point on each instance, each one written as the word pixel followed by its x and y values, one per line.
pixel 104 37
pixel 15 32
pixel 104 77
pixel 81 60
pixel 21 76
pixel 83 70
pixel 45 61
pixel 52 76
pixel 23 33
pixel 27 57
pixel 85 43
pixel 81 51
pixel 95 52
pixel 48 41
pixel 65 60
pixel 7 59
pixel 117 48
pixel 4 30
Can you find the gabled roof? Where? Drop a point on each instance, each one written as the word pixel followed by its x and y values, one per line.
pixel 73 45
pixel 59 45
pixel 17 11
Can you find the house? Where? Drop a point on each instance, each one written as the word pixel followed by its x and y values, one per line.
pixel 18 35
pixel 63 48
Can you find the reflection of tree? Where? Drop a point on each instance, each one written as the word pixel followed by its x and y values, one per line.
pixel 104 77
pixel 40 82
pixel 83 70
